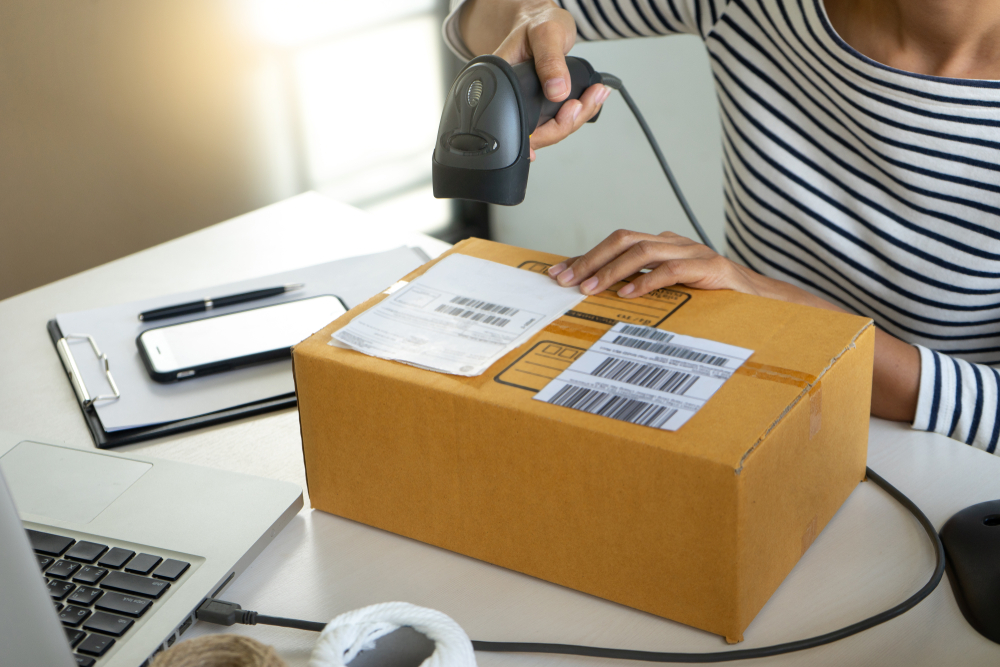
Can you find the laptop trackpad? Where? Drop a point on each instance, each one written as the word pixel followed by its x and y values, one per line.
pixel 65 484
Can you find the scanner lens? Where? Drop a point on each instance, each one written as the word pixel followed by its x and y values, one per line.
pixel 468 143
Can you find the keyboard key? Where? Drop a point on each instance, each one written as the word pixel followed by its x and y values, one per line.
pixel 109 624
pixel 63 569
pixel 59 606
pixel 44 561
pixel 143 564
pixel 74 636
pixel 89 575
pixel 130 583
pixel 116 558
pixel 87 552
pixel 85 596
pixel 84 661
pixel 171 569
pixel 123 604
pixel 47 543
pixel 95 645
pixel 73 616
pixel 60 589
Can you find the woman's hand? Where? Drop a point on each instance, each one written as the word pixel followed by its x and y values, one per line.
pixel 670 258
pixel 675 260
pixel 517 30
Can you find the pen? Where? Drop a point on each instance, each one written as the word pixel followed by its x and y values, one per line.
pixel 209 304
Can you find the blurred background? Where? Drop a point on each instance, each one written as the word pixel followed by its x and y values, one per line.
pixel 126 124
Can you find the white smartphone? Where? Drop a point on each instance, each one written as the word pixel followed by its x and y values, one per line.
pixel 220 343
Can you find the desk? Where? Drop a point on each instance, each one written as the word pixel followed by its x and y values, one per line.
pixel 871 556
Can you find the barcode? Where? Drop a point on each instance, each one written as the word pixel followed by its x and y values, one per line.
pixel 647 332
pixel 609 405
pixel 645 375
pixel 672 351
pixel 485 305
pixel 485 318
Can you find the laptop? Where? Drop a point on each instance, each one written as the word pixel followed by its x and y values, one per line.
pixel 104 558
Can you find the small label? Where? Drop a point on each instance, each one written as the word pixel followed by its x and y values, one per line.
pixel 645 376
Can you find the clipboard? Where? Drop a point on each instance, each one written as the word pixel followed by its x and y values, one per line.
pixel 122 405
pixel 105 440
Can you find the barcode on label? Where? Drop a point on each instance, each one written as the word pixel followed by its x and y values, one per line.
pixel 647 332
pixel 645 375
pixel 484 305
pixel 485 318
pixel 671 351
pixel 608 405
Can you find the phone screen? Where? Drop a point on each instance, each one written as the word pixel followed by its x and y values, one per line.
pixel 248 332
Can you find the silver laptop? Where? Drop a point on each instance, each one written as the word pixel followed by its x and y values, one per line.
pixel 111 554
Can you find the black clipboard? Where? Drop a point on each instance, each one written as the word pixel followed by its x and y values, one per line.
pixel 106 440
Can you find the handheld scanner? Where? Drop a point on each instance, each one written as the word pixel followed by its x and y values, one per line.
pixel 492 108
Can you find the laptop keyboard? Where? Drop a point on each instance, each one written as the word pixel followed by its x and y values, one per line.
pixel 100 591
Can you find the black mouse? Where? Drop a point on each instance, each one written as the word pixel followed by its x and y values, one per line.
pixel 972 543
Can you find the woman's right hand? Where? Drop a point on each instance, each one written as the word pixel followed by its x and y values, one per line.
pixel 517 30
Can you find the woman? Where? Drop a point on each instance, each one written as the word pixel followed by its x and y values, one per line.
pixel 862 172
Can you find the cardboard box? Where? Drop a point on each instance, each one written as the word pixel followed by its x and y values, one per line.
pixel 700 525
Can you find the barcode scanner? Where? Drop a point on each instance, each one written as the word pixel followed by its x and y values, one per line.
pixel 482 145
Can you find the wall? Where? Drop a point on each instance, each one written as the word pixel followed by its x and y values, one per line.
pixel 605 176
pixel 124 124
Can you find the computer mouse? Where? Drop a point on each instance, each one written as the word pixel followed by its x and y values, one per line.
pixel 972 544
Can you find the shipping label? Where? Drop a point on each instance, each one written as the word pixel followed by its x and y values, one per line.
pixel 645 376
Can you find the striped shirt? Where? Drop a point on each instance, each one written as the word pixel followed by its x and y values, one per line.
pixel 873 188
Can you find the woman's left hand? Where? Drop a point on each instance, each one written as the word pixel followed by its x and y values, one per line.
pixel 670 258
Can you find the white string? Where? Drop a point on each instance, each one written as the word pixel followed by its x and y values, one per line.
pixel 355 631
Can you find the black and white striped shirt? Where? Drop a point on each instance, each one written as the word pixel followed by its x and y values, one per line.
pixel 873 188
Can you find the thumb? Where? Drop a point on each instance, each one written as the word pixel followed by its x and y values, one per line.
pixel 548 44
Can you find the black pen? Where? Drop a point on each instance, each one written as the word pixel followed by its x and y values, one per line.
pixel 209 304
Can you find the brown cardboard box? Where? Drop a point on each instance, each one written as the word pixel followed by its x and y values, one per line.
pixel 700 525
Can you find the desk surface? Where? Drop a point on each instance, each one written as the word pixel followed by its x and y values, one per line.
pixel 871 556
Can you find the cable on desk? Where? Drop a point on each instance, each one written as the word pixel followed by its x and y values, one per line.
pixel 228 613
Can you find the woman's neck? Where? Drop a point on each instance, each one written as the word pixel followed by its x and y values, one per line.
pixel 947 38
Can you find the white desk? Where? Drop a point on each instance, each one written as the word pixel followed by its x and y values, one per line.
pixel 871 556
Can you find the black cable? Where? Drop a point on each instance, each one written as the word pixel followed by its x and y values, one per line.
pixel 227 613
pixel 612 81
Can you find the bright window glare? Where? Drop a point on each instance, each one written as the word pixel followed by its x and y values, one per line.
pixel 297 22
pixel 416 211
pixel 354 90
pixel 370 106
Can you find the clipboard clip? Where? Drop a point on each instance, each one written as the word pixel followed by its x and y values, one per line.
pixel 76 378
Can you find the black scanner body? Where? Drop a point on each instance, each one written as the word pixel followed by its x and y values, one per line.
pixel 482 147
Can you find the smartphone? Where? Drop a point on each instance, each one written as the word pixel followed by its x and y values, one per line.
pixel 221 343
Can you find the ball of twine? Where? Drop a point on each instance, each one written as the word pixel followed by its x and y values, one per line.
pixel 219 651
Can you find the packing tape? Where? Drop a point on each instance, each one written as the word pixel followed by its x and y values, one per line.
pixel 355 631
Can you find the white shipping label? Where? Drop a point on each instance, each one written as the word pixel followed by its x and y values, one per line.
pixel 646 376
pixel 460 317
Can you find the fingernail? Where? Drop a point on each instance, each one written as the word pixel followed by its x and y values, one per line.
pixel 625 291
pixel 555 87
pixel 557 269
pixel 604 95
pixel 577 110
pixel 565 277
pixel 588 285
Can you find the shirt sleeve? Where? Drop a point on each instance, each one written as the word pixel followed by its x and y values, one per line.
pixel 616 19
pixel 958 399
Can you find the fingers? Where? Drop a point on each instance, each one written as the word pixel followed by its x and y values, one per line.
pixel 571 117
pixel 636 247
pixel 673 259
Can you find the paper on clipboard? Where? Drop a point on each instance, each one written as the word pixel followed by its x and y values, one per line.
pixel 144 402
